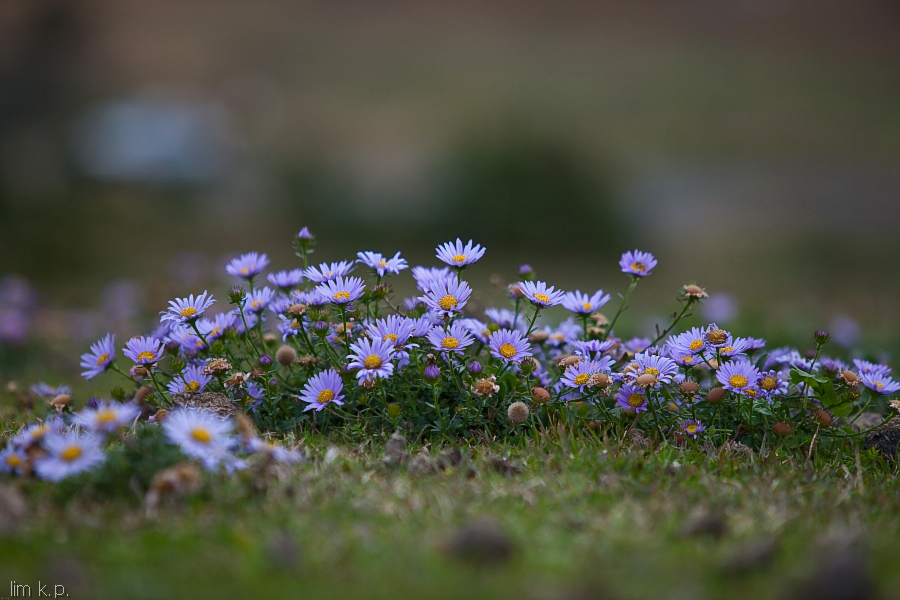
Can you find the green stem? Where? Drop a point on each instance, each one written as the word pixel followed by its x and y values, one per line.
pixel 634 282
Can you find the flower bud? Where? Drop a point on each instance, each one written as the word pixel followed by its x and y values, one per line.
pixel 849 377
pixel 823 417
pixel 526 272
pixel 475 367
pixel 286 355
pixel 781 429
pixel 265 361
pixel 539 394
pixel 93 403
pixel 645 380
pixel 321 328
pixel 517 412
pixel 236 295
pixel 432 372
pixel 394 410
pixel 821 336
pixel 304 234
pixel 695 291
pixel 716 395
pixel 528 365
pixel 689 387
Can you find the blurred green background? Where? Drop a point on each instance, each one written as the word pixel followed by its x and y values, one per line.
pixel 753 146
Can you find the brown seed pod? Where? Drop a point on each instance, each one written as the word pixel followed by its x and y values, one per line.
pixel 539 394
pixel 716 395
pixel 286 355
pixel 782 429
pixel 517 412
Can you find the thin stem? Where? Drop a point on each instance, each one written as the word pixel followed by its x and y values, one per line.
pixel 634 282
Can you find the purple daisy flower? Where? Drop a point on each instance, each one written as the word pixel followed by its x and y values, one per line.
pixel 592 348
pixel 864 367
pixel 382 265
pixel 219 326
pixel 737 347
pixel 476 328
pixel 504 317
pixel 328 272
pixel 879 383
pixel 259 299
pixel 771 383
pixel 68 454
pixel 394 328
pixel 661 367
pixel 455 338
pixel 247 265
pixel 580 375
pixel 186 339
pixel 372 358
pixel 425 276
pixel 143 350
pixel 285 280
pixel 737 375
pixel 342 291
pixel 48 391
pixel 107 417
pixel 692 427
pixel 201 434
pixel 682 354
pixel 187 310
pixel 509 345
pixel 717 337
pixel 632 397
pixel 583 304
pixel 637 263
pixel 638 344
pixel 99 358
pixel 447 296
pixel 323 389
pixel 540 295
pixel 693 341
pixel 754 344
pixel 13 460
pixel 456 255
pixel 192 379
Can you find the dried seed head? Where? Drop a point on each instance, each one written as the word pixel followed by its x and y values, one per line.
pixel 486 386
pixel 367 384
pixel 689 387
pixel 528 365
pixel 781 429
pixel 297 310
pixel 645 380
pixel 160 415
pixel 849 377
pixel 217 365
pixel 539 394
pixel 517 412
pixel 599 319
pixel 138 371
pixel 695 291
pixel 823 417
pixel 600 380
pixel 269 338
pixel 717 336
pixel 307 361
pixel 286 355
pixel 716 395
pixel 538 336
pixel 61 401
pixel 672 407
pixel 594 332
pixel 568 360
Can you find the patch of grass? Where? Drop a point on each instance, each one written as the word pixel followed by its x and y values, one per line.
pixel 584 517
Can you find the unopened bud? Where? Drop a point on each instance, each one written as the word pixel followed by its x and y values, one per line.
pixel 286 355
pixel 539 394
pixel 821 336
pixel 781 429
pixel 475 367
pixel 528 365
pixel 689 387
pixel 716 395
pixel 823 417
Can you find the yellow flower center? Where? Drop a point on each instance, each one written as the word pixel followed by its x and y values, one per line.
pixel 507 350
pixel 582 379
pixel 342 296
pixel 879 384
pixel 691 429
pixel 459 258
pixel 639 266
pixel 146 355
pixel 768 383
pixel 696 345
pixel 382 263
pixel 105 416
pixel 389 336
pixel 244 270
pixel 192 385
pixel 325 396
pixel 687 359
pixel 587 306
pixel 201 435
pixel 651 371
pixel 13 461
pixel 542 297
pixel 751 392
pixel 188 312
pixel 737 381
pixel 726 349
pixel 71 453
pixel 102 358
pixel 450 343
pixel 448 302
pixel 636 400
pixel 373 361
pixel 258 303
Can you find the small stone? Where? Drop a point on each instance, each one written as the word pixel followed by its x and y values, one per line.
pixel 480 543
pixel 218 404
pixel 503 466
pixel 885 439
pixel 395 450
